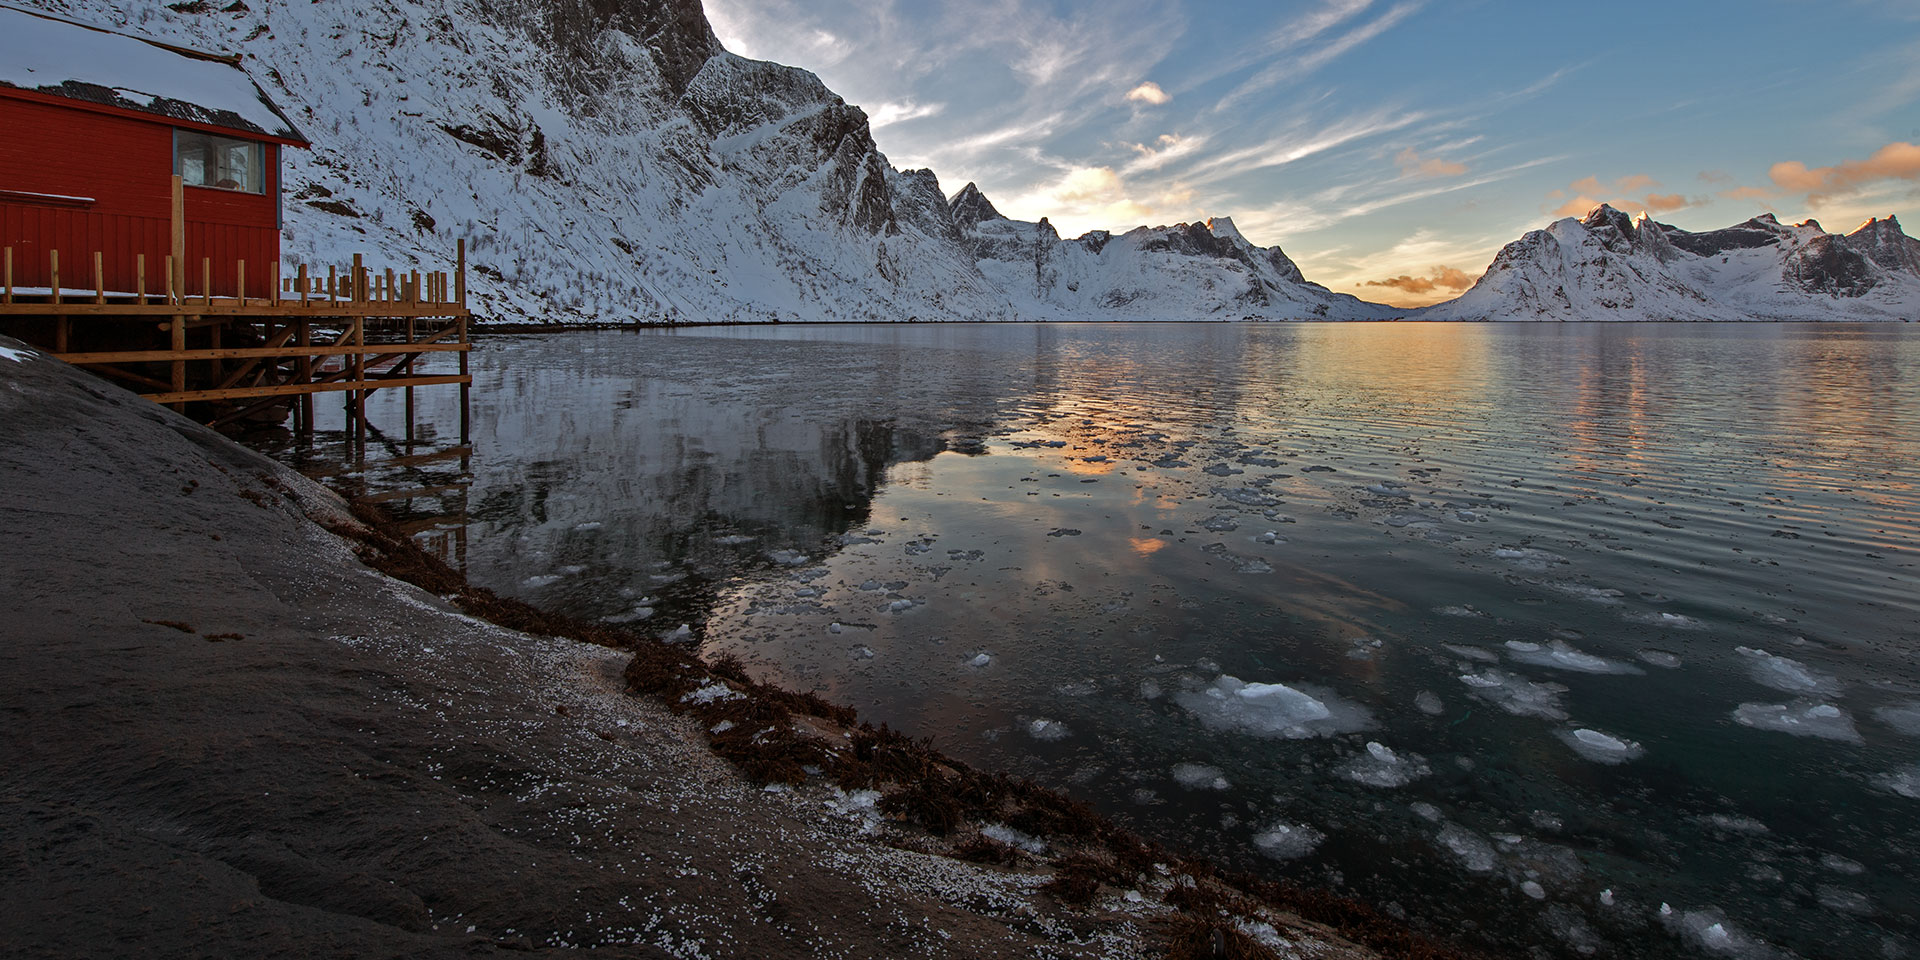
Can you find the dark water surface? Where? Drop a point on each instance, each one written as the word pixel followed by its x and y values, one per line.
pixel 1571 640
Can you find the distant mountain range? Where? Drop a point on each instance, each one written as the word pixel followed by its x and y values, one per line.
pixel 1608 266
pixel 611 162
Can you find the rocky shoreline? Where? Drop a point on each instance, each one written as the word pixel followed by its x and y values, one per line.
pixel 247 721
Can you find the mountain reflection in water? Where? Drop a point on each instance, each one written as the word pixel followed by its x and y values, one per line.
pixel 1520 631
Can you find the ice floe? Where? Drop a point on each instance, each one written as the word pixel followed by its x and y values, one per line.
pixel 1668 621
pixel 1428 703
pixel 1382 767
pixel 1529 558
pixel 1272 709
pixel 1516 694
pixel 1561 656
pixel 1013 838
pixel 1660 658
pixel 1710 930
pixel 1802 718
pixel 1199 776
pixel 1902 717
pixel 1471 849
pixel 980 660
pixel 1041 728
pixel 787 558
pixel 1904 781
pixel 1287 841
pixel 1601 747
pixel 1788 676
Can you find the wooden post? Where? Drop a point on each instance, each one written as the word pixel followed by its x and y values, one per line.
pixel 305 366
pixel 302 282
pixel 99 280
pixel 359 280
pixel 466 388
pixel 55 254
pixel 140 278
pixel 409 375
pixel 390 297
pixel 333 292
pixel 360 375
pixel 177 273
pixel 179 331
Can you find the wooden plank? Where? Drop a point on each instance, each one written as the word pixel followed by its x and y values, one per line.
pixel 140 277
pixel 55 254
pixel 278 340
pixel 294 389
pixel 99 279
pixel 238 353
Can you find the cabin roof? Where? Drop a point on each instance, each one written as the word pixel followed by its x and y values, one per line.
pixel 78 61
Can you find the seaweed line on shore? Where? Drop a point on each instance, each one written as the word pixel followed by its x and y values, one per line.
pixel 778 736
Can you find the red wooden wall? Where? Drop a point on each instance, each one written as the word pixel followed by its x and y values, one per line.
pixel 125 164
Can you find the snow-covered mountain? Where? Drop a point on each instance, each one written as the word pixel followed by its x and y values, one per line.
pixel 608 160
pixel 1608 266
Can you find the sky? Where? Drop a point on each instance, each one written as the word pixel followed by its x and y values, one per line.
pixel 1390 147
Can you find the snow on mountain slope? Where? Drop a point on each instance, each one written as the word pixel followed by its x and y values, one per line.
pixel 1200 270
pixel 1610 267
pixel 608 160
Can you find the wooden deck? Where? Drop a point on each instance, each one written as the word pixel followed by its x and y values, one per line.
pixel 230 358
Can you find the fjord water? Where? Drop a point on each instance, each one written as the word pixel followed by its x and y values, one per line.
pixel 1565 640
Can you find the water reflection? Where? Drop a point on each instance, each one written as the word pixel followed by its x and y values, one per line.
pixel 1477 540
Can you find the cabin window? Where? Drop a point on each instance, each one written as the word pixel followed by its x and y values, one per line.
pixel 204 160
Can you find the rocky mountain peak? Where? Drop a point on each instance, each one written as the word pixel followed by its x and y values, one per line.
pixel 970 207
pixel 1883 242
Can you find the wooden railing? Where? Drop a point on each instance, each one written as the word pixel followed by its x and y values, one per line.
pixel 372 321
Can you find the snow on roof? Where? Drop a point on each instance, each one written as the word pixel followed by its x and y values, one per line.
pixel 78 61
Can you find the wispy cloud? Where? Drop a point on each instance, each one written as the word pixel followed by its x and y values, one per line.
pixel 1895 161
pixel 1582 195
pixel 1289 68
pixel 1412 164
pixel 888 114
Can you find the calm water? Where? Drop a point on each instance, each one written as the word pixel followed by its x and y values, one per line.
pixel 1570 640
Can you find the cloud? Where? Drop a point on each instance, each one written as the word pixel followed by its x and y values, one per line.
pixel 1089 198
pixel 1746 193
pixel 1164 150
pixel 1439 278
pixel 1412 164
pixel 1895 161
pixel 1589 192
pixel 1294 67
pixel 888 114
pixel 1148 92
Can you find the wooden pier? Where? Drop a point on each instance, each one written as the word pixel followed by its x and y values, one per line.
pixel 229 358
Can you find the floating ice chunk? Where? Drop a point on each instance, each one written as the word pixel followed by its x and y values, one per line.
pixel 1668 621
pixel 732 540
pixel 1199 776
pixel 1464 610
pixel 1601 747
pixel 1904 781
pixel 900 605
pixel 1471 849
pixel 588 525
pixel 787 558
pixel 541 580
pixel 1271 710
pixel 1843 901
pixel 1473 653
pixel 1840 864
pixel 1737 824
pixel 1150 690
pixel 1516 694
pixel 1802 718
pixel 1270 537
pixel 1532 888
pixel 1220 470
pixel 1013 838
pixel 680 634
pixel 1710 930
pixel 1044 729
pixel 1529 558
pixel 1591 594
pixel 1220 523
pixel 1902 717
pixel 1426 702
pixel 1425 811
pixel 835 627
pixel 1561 656
pixel 640 612
pixel 17 356
pixel 1247 497
pixel 1287 841
pixel 1388 488
pixel 980 660
pixel 1381 767
pixel 1659 658
pixel 1789 676
pixel 860 652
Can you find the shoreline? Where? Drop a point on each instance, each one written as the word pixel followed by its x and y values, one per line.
pixel 238 738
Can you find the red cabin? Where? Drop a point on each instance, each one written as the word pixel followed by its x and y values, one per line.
pixel 93 126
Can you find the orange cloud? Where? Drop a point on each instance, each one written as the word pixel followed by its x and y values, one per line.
pixel 1149 92
pixel 1589 192
pixel 1448 278
pixel 1412 164
pixel 1895 161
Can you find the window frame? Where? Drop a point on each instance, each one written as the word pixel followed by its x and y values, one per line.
pixel 219 147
